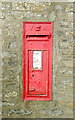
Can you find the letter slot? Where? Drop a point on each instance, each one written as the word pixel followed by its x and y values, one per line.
pixel 37 37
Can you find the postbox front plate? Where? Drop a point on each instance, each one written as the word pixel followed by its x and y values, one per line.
pixel 37 60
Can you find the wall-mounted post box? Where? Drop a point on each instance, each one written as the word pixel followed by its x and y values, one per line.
pixel 37 60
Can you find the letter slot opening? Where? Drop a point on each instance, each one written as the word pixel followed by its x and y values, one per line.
pixel 37 37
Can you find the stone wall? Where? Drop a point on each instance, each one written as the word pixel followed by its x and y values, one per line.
pixel 12 16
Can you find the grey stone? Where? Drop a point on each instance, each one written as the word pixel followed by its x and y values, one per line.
pixel 1 113
pixel 56 112
pixel 13 45
pixel 13 55
pixel 58 7
pixel 8 104
pixel 69 8
pixel 52 17
pixel 0 103
pixel 28 14
pixel 4 54
pixel 52 112
pixel 26 112
pixel 44 112
pixel 11 112
pixel 12 61
pixel 6 6
pixel 1 63
pixel 22 112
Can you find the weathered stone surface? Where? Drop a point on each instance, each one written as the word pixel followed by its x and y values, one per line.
pixel 0 6
pixel 12 16
pixel 52 17
pixel 10 104
pixel 13 45
pixel 30 6
pixel 6 6
pixel 53 112
pixel 22 112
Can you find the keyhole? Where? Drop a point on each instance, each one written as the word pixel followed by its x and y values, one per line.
pixel 32 75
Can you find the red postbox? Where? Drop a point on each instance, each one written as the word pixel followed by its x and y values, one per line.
pixel 37 60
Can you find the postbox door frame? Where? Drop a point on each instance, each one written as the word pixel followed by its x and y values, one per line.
pixel 25 67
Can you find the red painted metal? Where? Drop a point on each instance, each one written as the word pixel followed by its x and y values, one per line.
pixel 37 39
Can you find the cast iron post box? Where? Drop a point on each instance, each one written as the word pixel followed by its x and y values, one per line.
pixel 37 60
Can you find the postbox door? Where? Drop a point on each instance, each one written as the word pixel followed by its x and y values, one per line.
pixel 38 72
